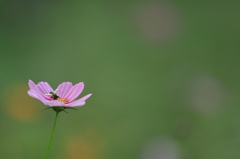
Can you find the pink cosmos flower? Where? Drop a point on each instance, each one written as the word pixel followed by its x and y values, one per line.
pixel 63 96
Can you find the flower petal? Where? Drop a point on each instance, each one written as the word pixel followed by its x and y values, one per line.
pixel 44 87
pixel 74 92
pixel 64 88
pixel 76 103
pixel 33 86
pixel 85 97
pixel 79 102
pixel 54 103
pixel 33 94
pixel 34 90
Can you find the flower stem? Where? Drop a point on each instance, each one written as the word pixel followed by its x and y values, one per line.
pixel 50 142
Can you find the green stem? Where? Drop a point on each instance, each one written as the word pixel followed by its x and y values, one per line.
pixel 50 142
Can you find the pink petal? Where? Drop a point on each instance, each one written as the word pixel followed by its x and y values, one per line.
pixel 79 102
pixel 64 88
pixel 33 86
pixel 34 90
pixel 74 92
pixel 85 97
pixel 76 103
pixel 33 94
pixel 54 103
pixel 44 87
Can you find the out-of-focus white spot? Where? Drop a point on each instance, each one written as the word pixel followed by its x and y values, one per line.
pixel 161 148
pixel 157 22
pixel 206 94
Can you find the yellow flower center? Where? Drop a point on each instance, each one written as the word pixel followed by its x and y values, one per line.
pixel 62 100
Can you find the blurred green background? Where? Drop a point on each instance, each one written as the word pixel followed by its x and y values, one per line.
pixel 165 78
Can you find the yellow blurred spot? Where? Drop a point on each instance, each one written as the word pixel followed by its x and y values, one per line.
pixel 85 146
pixel 19 104
pixel 62 100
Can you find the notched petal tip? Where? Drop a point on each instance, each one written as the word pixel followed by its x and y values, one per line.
pixel 64 88
pixel 32 85
pixel 44 87
pixel 30 82
pixel 75 91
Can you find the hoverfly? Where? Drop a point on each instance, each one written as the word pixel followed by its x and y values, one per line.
pixel 53 95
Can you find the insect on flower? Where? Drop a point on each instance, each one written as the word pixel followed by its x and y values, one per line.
pixel 53 95
pixel 63 96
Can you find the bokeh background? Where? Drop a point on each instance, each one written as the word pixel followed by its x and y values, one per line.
pixel 165 78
